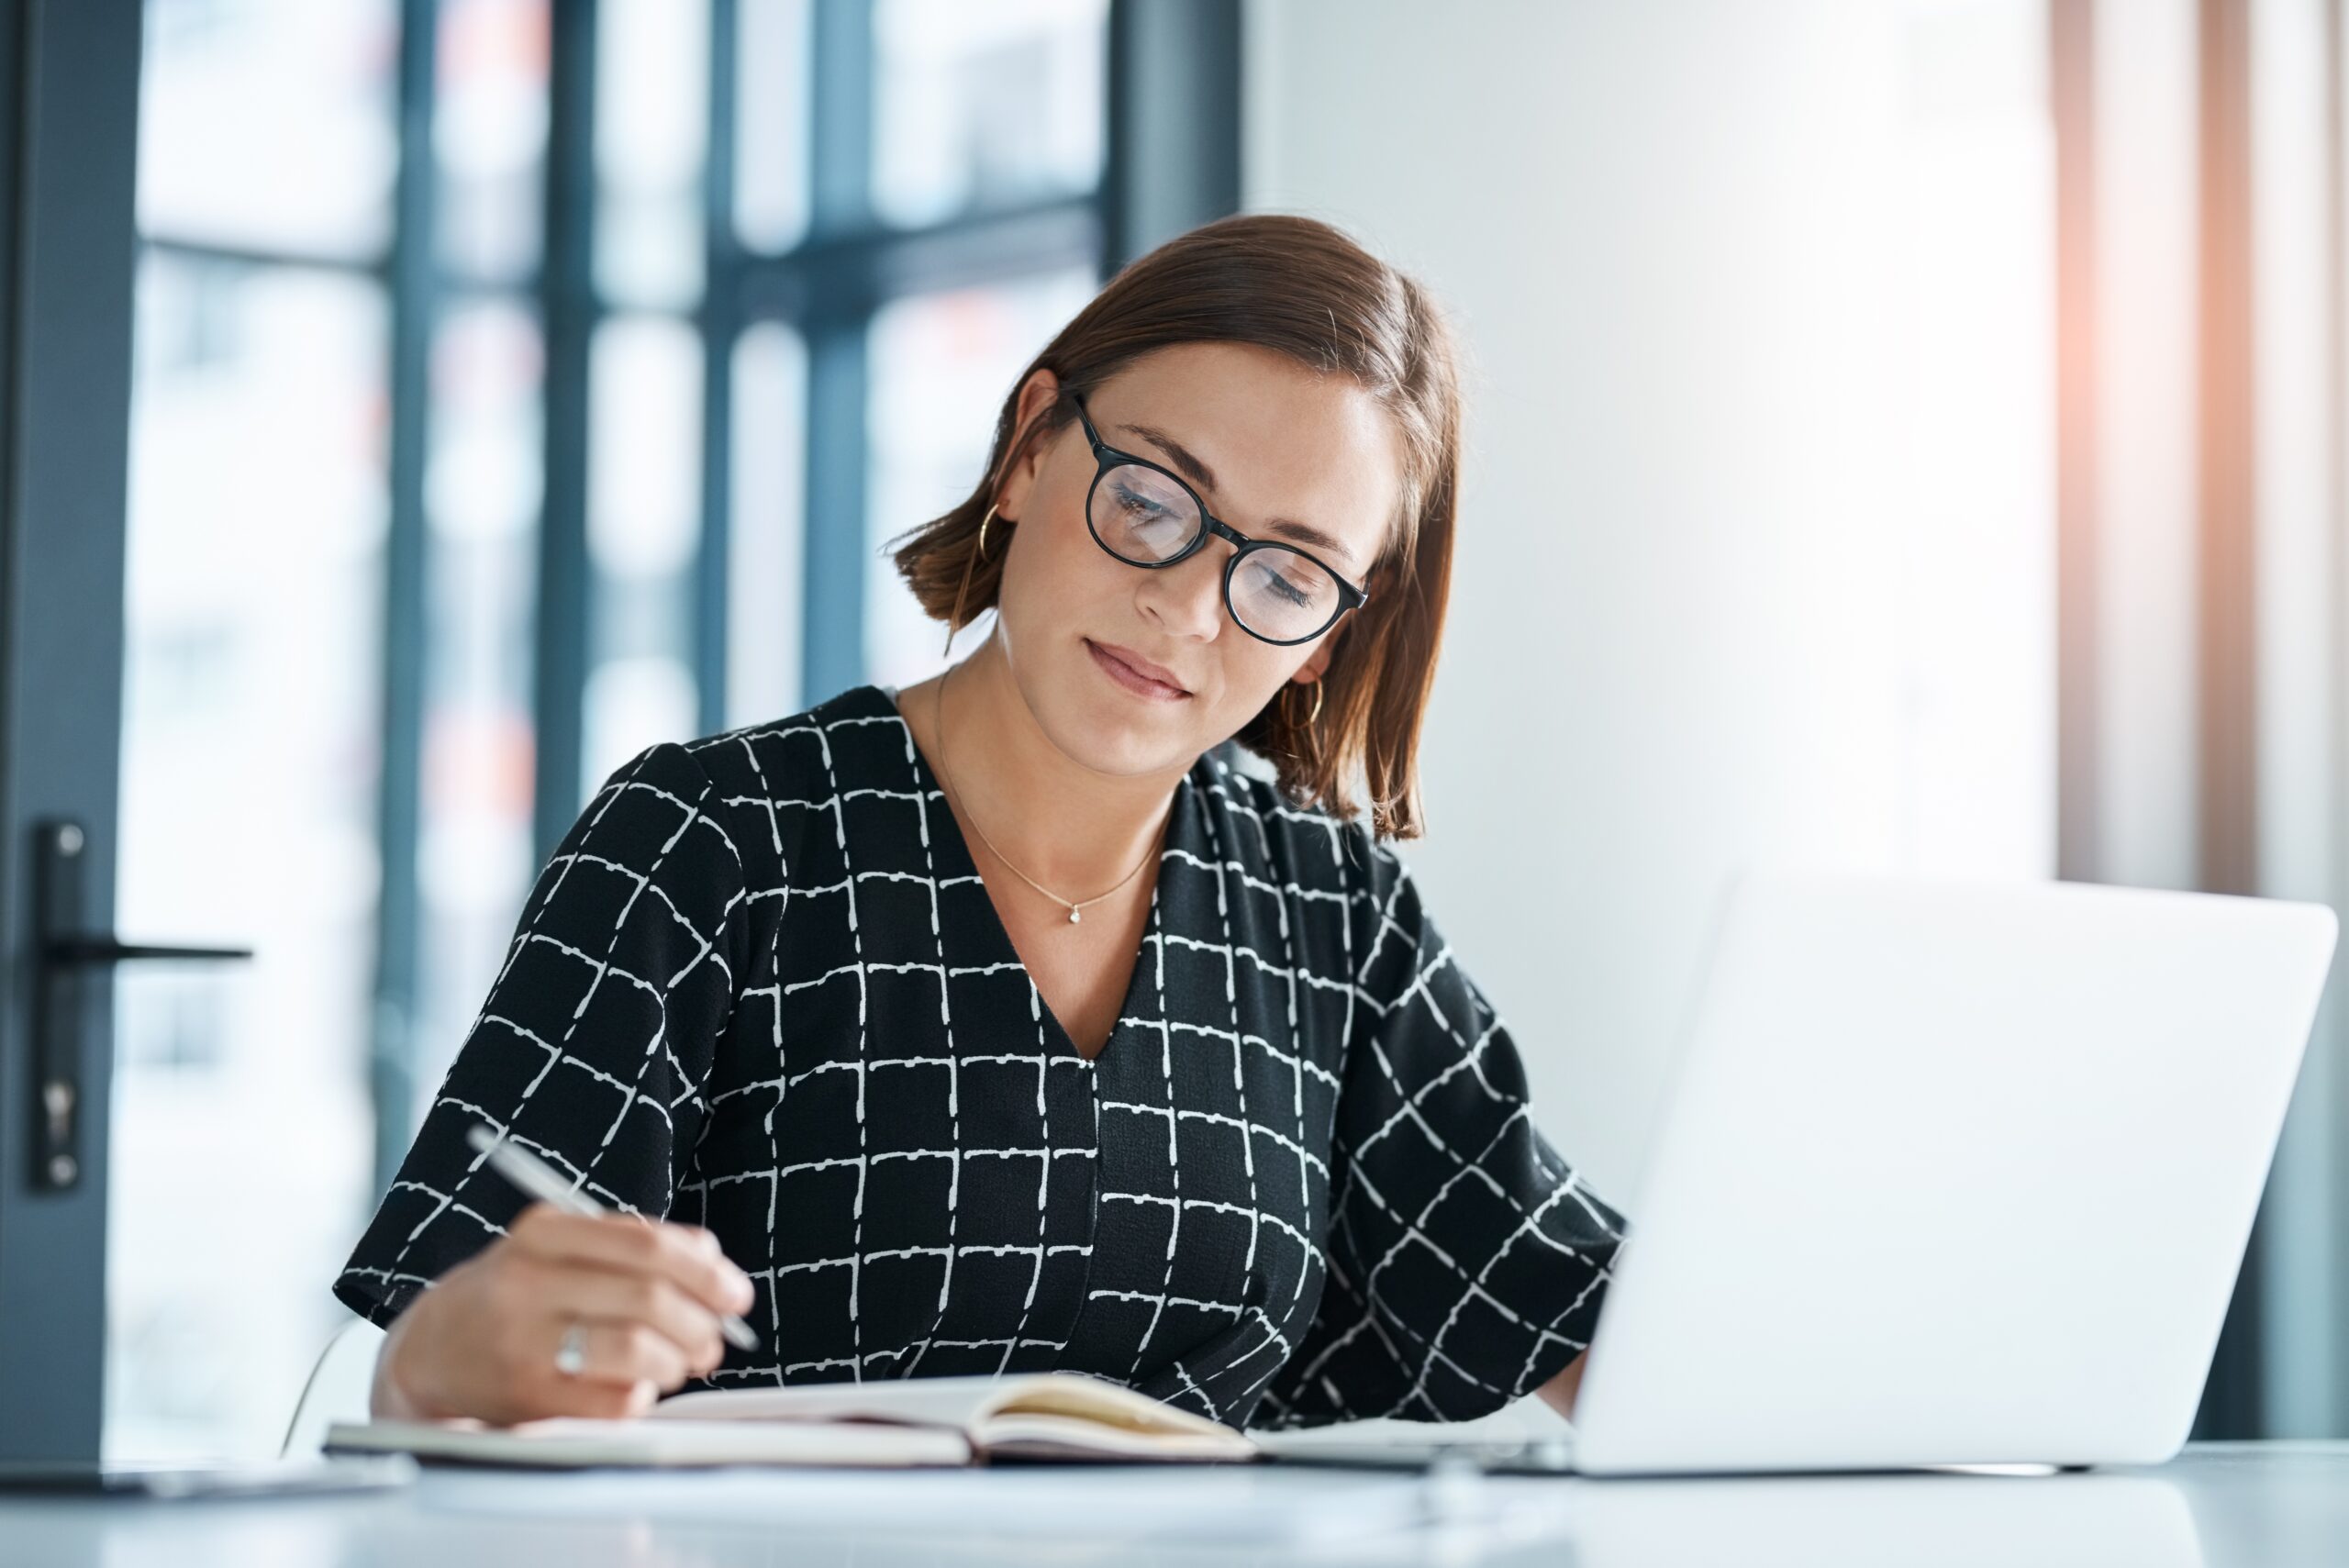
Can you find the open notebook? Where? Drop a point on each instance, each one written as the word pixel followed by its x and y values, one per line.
pixel 909 1421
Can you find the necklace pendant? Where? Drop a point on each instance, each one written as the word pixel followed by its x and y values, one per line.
pixel 1073 915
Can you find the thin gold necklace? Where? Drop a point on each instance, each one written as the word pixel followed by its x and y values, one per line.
pixel 938 718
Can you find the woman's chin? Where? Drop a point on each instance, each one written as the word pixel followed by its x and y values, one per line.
pixel 1118 736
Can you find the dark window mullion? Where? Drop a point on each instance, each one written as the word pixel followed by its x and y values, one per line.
pixel 566 292
pixel 180 247
pixel 838 308
pixel 409 276
pixel 870 265
pixel 1173 148
pixel 720 324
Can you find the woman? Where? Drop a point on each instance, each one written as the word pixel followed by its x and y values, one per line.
pixel 1005 1023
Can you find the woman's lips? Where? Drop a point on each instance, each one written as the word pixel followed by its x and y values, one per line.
pixel 1133 680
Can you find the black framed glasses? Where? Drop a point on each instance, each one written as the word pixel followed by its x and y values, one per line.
pixel 1146 516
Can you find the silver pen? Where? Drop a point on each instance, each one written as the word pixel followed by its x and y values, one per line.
pixel 540 1180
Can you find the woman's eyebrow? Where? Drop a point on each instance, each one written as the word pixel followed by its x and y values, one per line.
pixel 1200 474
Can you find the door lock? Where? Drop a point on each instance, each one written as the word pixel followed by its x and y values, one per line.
pixel 68 957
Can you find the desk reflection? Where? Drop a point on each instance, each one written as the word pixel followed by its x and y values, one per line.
pixel 1872 1521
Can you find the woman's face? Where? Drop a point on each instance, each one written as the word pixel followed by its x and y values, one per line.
pixel 1277 442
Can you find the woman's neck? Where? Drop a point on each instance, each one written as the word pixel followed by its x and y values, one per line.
pixel 1073 827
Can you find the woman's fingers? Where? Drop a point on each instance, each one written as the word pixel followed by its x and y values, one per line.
pixel 687 1255
pixel 651 1300
pixel 645 1296
pixel 613 1351
pixel 558 1396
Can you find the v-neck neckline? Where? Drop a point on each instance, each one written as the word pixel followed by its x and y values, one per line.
pixel 1141 983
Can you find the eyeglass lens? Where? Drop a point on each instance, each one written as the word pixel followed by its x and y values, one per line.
pixel 1146 518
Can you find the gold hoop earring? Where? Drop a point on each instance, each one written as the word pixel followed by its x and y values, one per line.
pixel 955 621
pixel 1317 707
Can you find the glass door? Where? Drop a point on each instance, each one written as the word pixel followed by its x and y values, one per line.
pixel 251 710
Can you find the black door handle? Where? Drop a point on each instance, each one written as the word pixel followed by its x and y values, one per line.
pixel 67 955
pixel 87 951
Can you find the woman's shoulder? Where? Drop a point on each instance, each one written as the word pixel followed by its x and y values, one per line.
pixel 802 748
pixel 776 774
pixel 1306 843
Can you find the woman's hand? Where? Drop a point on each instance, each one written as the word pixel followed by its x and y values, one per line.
pixel 1562 1390
pixel 482 1340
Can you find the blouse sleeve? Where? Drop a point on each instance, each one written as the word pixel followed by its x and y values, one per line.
pixel 1465 1259
pixel 596 1037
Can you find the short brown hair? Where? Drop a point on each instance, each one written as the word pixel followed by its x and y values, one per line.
pixel 1307 290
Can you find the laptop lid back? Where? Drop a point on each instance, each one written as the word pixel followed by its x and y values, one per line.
pixel 1954 1172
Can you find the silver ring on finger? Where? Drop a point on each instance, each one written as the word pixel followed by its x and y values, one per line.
pixel 571 1356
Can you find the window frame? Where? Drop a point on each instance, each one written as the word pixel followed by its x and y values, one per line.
pixel 1171 161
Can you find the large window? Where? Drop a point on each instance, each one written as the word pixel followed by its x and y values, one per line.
pixel 517 382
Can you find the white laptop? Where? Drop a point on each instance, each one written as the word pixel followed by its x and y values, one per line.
pixel 1952 1172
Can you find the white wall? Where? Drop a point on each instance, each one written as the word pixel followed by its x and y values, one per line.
pixel 1758 552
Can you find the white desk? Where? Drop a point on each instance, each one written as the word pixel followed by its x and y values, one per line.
pixel 2220 1506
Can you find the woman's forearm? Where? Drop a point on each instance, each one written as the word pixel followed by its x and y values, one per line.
pixel 386 1400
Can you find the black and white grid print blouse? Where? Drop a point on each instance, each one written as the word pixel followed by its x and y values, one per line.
pixel 761 987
